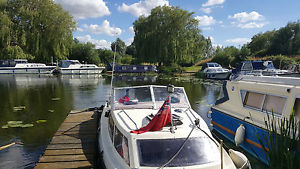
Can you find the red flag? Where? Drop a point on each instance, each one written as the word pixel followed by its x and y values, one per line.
pixel 162 118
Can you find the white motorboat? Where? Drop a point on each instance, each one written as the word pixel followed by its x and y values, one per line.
pixel 21 66
pixel 215 71
pixel 155 127
pixel 75 67
pixel 248 102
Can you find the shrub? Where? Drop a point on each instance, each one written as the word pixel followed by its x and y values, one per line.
pixel 281 62
pixel 170 70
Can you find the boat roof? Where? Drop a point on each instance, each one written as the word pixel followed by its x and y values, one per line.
pixel 270 79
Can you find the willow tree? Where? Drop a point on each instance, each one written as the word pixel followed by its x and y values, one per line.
pixel 40 29
pixel 169 35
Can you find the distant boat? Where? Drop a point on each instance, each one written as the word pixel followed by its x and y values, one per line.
pixel 259 68
pixel 215 71
pixel 75 67
pixel 21 66
pixel 133 68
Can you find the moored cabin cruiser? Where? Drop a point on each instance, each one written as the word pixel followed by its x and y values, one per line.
pixel 248 102
pixel 21 66
pixel 215 71
pixel 155 127
pixel 75 67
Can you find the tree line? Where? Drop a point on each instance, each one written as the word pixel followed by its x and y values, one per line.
pixel 41 31
pixel 282 46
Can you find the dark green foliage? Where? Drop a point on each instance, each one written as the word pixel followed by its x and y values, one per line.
pixel 231 55
pixel 126 59
pixel 281 62
pixel 283 142
pixel 130 50
pixel 36 29
pixel 169 35
pixel 170 70
pixel 285 41
pixel 120 46
pixel 200 74
pixel 85 53
pixel 107 56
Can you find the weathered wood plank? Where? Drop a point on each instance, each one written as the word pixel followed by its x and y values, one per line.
pixel 74 145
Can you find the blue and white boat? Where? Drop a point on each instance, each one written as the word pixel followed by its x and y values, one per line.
pixel 248 102
pixel 215 71
pixel 74 67
pixel 259 68
pixel 133 68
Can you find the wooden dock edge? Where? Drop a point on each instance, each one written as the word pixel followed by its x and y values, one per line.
pixel 74 145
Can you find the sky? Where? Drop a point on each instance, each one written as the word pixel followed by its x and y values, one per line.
pixel 225 22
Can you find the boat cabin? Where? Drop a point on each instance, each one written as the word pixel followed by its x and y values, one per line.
pixel 211 65
pixel 133 68
pixel 247 67
pixel 67 63
pixel 133 108
pixel 12 63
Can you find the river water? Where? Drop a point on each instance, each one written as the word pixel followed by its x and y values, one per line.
pixel 45 101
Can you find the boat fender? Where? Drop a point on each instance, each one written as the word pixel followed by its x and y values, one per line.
pixel 239 135
pixel 239 159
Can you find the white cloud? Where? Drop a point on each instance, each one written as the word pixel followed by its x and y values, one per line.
pixel 105 28
pixel 79 29
pixel 251 25
pixel 213 2
pixel 142 7
pixel 246 20
pixel 97 43
pixel 82 9
pixel 131 30
pixel 205 20
pixel 206 10
pixel 245 17
pixel 129 41
pixel 238 40
pixel 217 45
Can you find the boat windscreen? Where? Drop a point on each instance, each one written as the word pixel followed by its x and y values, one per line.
pixel 178 97
pixel 196 151
pixel 129 98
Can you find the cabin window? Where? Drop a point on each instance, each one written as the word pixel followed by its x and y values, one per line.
pixel 121 145
pixel 247 66
pixel 254 100
pixel 133 68
pixel 123 67
pixel 297 107
pixel 146 67
pixel 263 102
pixel 274 104
pixel 111 127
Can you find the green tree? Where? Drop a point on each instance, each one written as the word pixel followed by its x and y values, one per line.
pixel 40 28
pixel 107 56
pixel 286 40
pixel 169 35
pixel 85 53
pixel 260 43
pixel 120 46
pixel 131 50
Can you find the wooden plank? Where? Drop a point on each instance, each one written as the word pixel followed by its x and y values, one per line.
pixel 74 145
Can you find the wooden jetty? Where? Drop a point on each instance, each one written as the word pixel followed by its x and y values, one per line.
pixel 74 145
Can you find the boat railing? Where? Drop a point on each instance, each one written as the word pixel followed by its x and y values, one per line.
pixel 129 118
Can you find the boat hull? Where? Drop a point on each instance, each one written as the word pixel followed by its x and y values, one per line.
pixel 66 71
pixel 47 70
pixel 219 76
pixel 227 126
